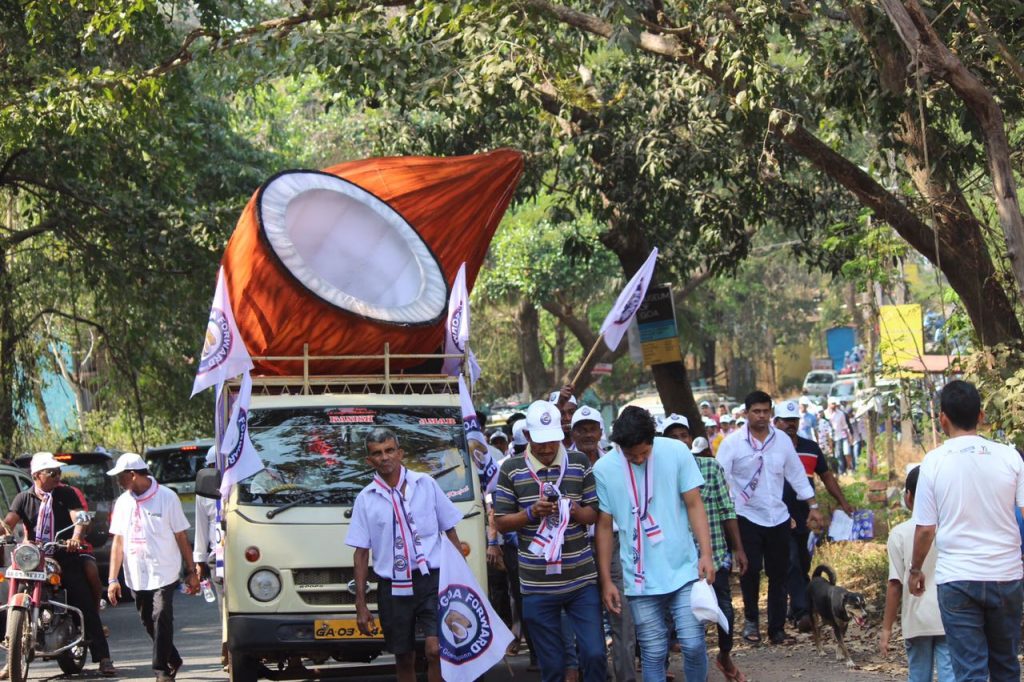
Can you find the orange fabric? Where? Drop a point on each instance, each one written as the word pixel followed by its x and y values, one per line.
pixel 454 204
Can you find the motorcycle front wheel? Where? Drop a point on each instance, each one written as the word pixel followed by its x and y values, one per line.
pixel 72 661
pixel 19 648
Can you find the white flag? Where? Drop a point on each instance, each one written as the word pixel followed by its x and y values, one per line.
pixel 616 324
pixel 224 354
pixel 483 457
pixel 240 457
pixel 456 330
pixel 472 637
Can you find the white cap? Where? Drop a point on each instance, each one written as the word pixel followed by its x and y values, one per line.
pixel 833 400
pixel 44 460
pixel 740 421
pixel 553 398
pixel 726 419
pixel 544 422
pixel 211 456
pixel 700 444
pixel 709 423
pixel 737 411
pixel 517 433
pixel 804 400
pixel 704 403
pixel 587 414
pixel 674 420
pixel 129 461
pixel 498 434
pixel 787 409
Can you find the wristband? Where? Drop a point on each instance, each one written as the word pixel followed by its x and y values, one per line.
pixel 492 543
pixel 111 581
pixel 915 570
pixel 530 518
pixel 814 505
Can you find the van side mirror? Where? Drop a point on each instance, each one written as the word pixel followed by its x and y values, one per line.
pixel 208 483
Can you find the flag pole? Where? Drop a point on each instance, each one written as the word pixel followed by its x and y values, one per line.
pixel 586 361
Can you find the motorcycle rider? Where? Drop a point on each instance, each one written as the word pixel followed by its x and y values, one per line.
pixel 46 510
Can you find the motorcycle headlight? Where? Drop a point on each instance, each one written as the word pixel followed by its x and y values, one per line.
pixel 26 557
pixel 264 585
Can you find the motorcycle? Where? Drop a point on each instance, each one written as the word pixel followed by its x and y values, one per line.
pixel 40 622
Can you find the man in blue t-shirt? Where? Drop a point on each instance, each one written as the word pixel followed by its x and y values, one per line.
pixel 650 487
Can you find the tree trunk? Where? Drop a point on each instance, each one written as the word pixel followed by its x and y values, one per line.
pixel 528 330
pixel 8 337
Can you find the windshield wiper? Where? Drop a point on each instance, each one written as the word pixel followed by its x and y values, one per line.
pixel 302 497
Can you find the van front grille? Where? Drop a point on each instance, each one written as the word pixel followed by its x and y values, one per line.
pixel 332 598
pixel 328 586
pixel 321 577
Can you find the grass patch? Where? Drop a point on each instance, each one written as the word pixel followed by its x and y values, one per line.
pixel 860 567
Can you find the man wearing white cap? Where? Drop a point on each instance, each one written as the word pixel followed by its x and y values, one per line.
pixel 48 511
pixel 757 460
pixel 787 420
pixel 148 526
pixel 708 412
pixel 499 439
pixel 726 425
pixel 548 496
pixel 677 426
pixel 567 404
pixel 519 441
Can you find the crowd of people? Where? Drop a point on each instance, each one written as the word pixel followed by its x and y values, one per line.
pixel 639 513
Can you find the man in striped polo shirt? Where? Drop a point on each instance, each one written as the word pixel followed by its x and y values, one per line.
pixel 548 497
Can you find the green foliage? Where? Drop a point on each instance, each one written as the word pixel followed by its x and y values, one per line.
pixel 998 374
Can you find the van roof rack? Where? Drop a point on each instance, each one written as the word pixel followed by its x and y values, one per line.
pixel 393 383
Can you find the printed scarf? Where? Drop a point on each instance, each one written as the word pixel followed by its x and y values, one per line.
pixel 547 542
pixel 750 488
pixel 138 531
pixel 403 532
pixel 644 524
pixel 44 519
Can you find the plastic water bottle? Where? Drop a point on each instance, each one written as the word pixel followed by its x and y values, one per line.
pixel 208 593
pixel 103 604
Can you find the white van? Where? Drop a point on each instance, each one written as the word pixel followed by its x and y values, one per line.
pixel 289 578
pixel 818 382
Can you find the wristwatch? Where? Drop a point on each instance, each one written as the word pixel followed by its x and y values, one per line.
pixel 813 505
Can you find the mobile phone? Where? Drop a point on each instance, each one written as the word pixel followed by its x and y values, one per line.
pixel 552 498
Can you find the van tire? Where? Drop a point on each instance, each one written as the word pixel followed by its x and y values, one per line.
pixel 242 667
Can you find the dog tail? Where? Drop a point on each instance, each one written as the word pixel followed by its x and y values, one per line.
pixel 825 569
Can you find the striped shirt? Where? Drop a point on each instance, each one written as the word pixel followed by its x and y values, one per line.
pixel 517 490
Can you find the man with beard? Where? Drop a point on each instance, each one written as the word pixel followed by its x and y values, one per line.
pixel 787 420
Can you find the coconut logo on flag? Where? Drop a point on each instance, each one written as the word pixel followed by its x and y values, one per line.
pixel 218 341
pixel 633 304
pixel 465 629
pixel 453 329
pixel 242 422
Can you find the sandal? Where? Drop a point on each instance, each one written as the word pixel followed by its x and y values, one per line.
pixel 782 638
pixel 750 633
pixel 107 668
pixel 734 676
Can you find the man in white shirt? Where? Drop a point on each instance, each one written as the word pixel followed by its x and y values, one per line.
pixel 148 526
pixel 399 517
pixel 965 503
pixel 757 460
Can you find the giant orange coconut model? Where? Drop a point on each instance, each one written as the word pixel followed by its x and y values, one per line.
pixel 361 254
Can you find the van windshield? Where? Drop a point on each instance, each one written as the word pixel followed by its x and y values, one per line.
pixel 323 449
pixel 820 378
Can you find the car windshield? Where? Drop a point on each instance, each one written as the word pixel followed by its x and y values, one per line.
pixel 820 378
pixel 323 449
pixel 176 466
pixel 843 388
pixel 91 478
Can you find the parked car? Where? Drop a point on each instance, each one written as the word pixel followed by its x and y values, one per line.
pixel 818 382
pixel 847 388
pixel 87 471
pixel 175 466
pixel 12 481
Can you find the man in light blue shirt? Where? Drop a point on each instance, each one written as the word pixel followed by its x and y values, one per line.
pixel 650 487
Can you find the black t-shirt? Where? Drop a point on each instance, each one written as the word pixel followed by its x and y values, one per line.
pixel 26 506
pixel 799 509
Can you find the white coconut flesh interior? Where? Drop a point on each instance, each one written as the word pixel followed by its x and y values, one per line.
pixel 351 249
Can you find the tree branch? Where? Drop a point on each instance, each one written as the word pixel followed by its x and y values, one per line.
pixel 17 237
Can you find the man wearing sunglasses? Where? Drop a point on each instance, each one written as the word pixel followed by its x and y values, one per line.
pixel 47 511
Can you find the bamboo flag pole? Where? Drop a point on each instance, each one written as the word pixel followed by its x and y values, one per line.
pixel 586 361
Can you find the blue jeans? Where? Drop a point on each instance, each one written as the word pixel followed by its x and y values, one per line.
pixel 652 634
pixel 928 655
pixel 982 623
pixel 571 660
pixel 543 616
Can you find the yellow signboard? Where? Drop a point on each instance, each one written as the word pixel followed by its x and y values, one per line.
pixel 901 336
pixel 661 351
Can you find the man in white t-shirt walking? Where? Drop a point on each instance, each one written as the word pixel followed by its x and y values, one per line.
pixel 148 526
pixel 965 503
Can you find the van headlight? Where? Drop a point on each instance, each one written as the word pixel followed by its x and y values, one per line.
pixel 26 557
pixel 264 585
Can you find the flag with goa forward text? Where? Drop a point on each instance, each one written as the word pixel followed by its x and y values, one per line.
pixel 472 637
pixel 224 354
pixel 483 457
pixel 239 456
pixel 617 322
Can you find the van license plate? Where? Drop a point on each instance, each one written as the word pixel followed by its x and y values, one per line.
pixel 25 575
pixel 342 629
